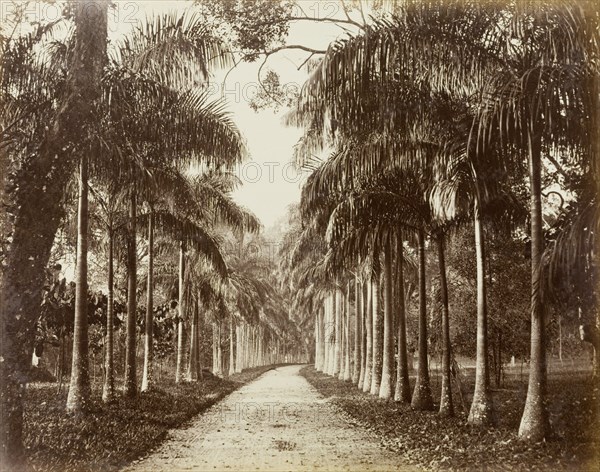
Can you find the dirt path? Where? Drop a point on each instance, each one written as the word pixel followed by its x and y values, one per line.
pixel 277 422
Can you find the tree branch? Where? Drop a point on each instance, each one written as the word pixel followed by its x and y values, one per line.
pixel 306 60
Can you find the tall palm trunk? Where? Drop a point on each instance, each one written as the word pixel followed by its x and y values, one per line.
pixel 369 344
pixel 130 387
pixel 385 389
pixel 347 344
pixel 422 399
pixel 231 347
pixel 319 340
pixel 316 335
pixel 148 344
pixel 363 344
pixel 180 320
pixel 535 424
pixel 245 346
pixel 331 334
pixel 323 343
pixel 446 405
pixel 402 393
pixel 239 348
pixel 79 388
pixel 342 324
pixel 337 355
pixel 356 372
pixel 199 330
pixel 481 407
pixel 193 361
pixel 219 351
pixel 326 334
pixel 377 335
pixel 214 348
pixel 108 390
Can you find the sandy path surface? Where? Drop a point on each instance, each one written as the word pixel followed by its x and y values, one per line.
pixel 277 422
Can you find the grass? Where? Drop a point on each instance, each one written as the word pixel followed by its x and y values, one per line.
pixel 111 436
pixel 425 439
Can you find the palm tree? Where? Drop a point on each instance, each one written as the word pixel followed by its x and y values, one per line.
pixel 526 109
pixel 40 184
pixel 177 110
pixel 358 332
pixel 402 390
pixel 446 404
pixel 109 198
pixel 209 205
pixel 385 390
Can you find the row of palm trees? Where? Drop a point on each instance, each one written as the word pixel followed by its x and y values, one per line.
pixel 154 170
pixel 433 115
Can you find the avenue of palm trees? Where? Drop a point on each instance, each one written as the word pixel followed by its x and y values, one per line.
pixel 445 116
pixel 148 156
pixel 435 134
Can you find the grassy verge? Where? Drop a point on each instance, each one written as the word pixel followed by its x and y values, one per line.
pixel 425 439
pixel 111 436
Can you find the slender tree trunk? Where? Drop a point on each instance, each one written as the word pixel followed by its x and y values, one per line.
pixel 446 405
pixel 343 340
pixel 180 319
pixel 148 344
pixel 356 373
pixel 37 208
pixel 560 349
pixel 341 325
pixel 369 345
pixel 219 372
pixel 321 340
pixel 338 332
pixel 316 334
pixel 239 350
pixel 108 390
pixel 245 346
pixel 260 346
pixel 130 384
pixel 214 348
pixel 481 407
pixel 231 347
pixel 402 393
pixel 326 334
pixel 377 336
pixel 331 335
pixel 193 361
pixel 385 389
pixel 535 425
pixel 363 344
pixel 347 372
pixel 422 399
pixel 79 388
pixel 199 332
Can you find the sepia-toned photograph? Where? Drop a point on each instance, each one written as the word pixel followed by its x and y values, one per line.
pixel 299 235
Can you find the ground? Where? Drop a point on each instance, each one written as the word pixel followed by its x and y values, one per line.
pixel 294 418
pixel 277 422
